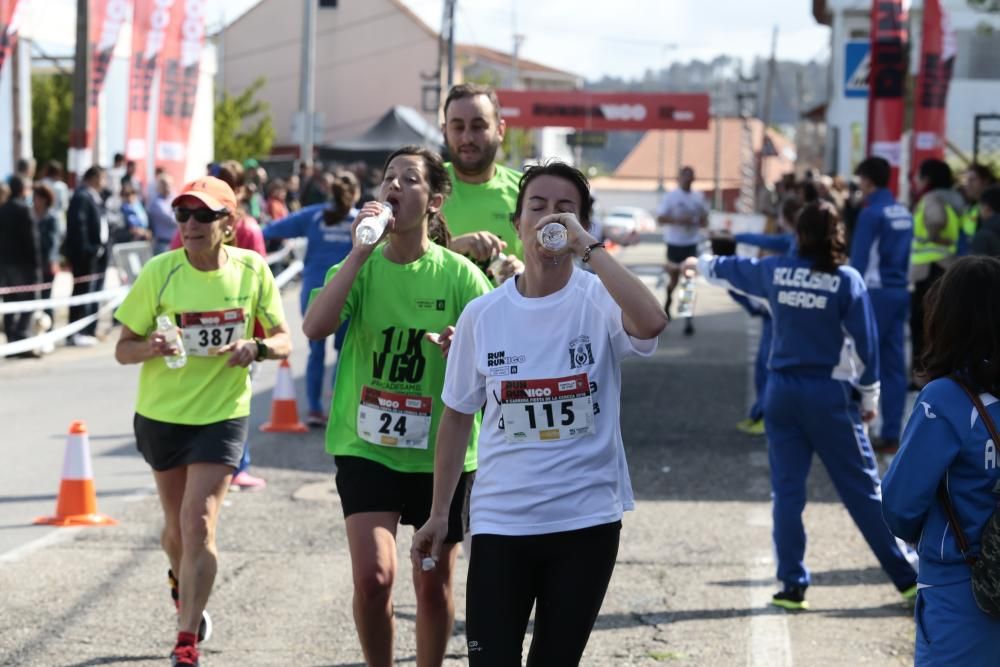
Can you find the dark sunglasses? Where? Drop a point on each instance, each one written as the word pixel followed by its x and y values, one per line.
pixel 203 215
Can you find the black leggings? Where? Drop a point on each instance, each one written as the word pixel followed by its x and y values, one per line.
pixel 565 575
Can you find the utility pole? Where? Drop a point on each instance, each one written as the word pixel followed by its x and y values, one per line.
pixel 307 87
pixel 80 155
pixel 662 134
pixel 765 118
pixel 450 36
pixel 746 100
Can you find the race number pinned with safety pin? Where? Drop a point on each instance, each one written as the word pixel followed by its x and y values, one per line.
pixel 547 409
pixel 204 333
pixel 394 420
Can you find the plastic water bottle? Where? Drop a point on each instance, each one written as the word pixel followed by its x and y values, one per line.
pixel 166 327
pixel 370 229
pixel 553 237
pixel 685 308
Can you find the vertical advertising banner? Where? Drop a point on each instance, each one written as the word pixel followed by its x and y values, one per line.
pixel 179 87
pixel 106 20
pixel 887 84
pixel 153 19
pixel 937 56
pixel 9 23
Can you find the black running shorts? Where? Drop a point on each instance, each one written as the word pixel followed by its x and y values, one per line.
pixel 166 446
pixel 367 486
pixel 676 254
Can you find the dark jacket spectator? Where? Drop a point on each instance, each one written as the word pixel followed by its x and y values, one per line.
pixel 20 258
pixel 86 248
pixel 986 240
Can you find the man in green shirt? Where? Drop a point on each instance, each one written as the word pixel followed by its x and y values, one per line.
pixel 484 193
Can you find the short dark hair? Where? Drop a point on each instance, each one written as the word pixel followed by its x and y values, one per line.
pixel 118 157
pixel 42 191
pixel 961 329
pixel 562 170
pixel 991 198
pixel 984 173
pixel 937 173
pixel 93 172
pixel 54 169
pixel 875 169
pixel 16 184
pixel 821 236
pixel 463 90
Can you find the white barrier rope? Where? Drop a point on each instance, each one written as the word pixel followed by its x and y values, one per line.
pixel 36 342
pixel 8 307
pixel 113 297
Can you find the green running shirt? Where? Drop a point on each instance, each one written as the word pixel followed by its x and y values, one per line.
pixel 387 398
pixel 485 207
pixel 205 390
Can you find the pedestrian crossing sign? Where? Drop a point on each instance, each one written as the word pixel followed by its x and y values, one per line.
pixel 857 65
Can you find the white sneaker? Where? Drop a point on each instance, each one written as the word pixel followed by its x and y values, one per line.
pixel 83 340
pixel 47 348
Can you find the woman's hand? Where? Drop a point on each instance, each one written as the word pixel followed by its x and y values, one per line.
pixel 242 353
pixel 427 541
pixel 160 347
pixel 690 264
pixel 442 340
pixel 578 238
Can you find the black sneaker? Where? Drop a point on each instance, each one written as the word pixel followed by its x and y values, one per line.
pixel 205 627
pixel 688 327
pixel 793 598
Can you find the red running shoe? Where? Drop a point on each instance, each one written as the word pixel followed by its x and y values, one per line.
pixel 184 655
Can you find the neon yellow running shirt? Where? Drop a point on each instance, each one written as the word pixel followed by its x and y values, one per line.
pixel 224 303
pixel 485 207
pixel 387 398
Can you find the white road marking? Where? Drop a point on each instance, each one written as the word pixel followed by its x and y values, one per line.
pixel 56 536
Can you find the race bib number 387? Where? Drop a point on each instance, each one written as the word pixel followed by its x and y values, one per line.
pixel 394 420
pixel 204 333
pixel 547 409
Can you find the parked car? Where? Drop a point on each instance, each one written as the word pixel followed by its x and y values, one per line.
pixel 624 224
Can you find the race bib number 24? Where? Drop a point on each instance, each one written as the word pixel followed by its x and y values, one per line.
pixel 394 420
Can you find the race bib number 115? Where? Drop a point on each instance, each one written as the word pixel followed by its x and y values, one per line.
pixel 547 409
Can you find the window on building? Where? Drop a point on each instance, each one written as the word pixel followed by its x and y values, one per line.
pixel 977 55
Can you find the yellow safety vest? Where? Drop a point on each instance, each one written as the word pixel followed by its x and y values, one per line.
pixel 970 221
pixel 926 251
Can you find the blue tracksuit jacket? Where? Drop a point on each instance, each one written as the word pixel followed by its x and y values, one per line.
pixel 883 236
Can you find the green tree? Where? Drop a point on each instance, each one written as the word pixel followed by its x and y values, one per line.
pixel 243 127
pixel 51 110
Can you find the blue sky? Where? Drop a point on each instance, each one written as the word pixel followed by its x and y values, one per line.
pixel 622 37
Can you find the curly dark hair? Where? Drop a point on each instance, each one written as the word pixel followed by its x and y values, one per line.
pixel 562 170
pixel 821 236
pixel 439 182
pixel 961 328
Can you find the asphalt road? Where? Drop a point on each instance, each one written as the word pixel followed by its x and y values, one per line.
pixel 695 568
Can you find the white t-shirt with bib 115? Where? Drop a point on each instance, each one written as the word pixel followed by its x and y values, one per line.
pixel 547 369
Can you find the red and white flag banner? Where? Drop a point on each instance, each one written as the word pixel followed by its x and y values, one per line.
pixel 150 28
pixel 887 84
pixel 937 57
pixel 179 87
pixel 106 20
pixel 10 21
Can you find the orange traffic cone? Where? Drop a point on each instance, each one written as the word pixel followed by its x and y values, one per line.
pixel 77 503
pixel 284 412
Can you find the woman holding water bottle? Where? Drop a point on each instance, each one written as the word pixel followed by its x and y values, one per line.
pixel 188 319
pixel 542 353
pixel 399 294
